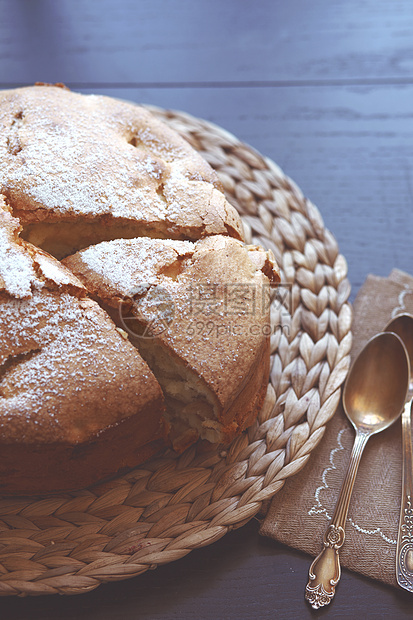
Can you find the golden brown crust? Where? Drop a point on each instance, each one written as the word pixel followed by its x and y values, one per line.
pixel 24 267
pixel 70 383
pixel 57 154
pixel 17 273
pixel 67 373
pixel 45 468
pixel 218 296
pixel 77 401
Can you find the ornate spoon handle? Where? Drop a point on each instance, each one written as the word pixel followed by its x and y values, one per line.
pixel 324 573
pixel 404 553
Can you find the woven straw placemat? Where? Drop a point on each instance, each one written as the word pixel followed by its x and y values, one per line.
pixel 159 512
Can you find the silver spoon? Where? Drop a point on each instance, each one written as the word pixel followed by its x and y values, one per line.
pixel 402 325
pixel 373 397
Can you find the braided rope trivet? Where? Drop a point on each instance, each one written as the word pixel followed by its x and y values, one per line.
pixel 171 505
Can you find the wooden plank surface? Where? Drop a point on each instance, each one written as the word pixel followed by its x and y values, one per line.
pixel 187 41
pixel 323 88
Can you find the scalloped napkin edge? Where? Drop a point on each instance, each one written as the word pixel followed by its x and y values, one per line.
pixel 301 511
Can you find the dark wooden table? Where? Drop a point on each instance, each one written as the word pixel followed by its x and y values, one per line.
pixel 325 89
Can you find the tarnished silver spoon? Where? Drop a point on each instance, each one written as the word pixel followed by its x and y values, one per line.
pixel 373 398
pixel 402 325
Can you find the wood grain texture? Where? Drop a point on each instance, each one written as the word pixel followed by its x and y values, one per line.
pixel 181 41
pixel 324 89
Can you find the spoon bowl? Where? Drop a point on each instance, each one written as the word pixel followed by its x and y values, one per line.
pixel 375 390
pixel 373 398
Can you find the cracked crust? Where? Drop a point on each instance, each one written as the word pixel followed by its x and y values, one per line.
pixel 72 388
pixel 205 306
pixel 57 154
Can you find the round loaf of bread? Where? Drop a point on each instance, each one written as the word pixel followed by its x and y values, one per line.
pixel 132 315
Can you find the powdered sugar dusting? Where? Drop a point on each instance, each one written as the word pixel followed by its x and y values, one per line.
pixel 208 312
pixel 79 359
pixel 55 271
pixel 125 263
pixel 94 156
pixel 16 268
pixel 69 173
pixel 60 356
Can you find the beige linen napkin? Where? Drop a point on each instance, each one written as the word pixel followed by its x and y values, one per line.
pixel 301 511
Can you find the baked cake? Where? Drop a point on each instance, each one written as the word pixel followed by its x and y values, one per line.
pixel 211 353
pixel 132 315
pixel 73 390
pixel 81 169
